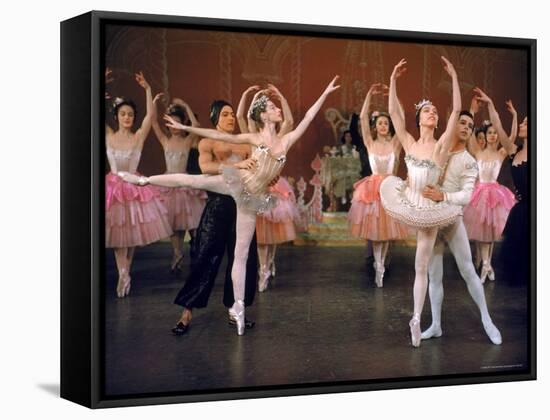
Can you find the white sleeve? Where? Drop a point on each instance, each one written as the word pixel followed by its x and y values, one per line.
pixel 467 184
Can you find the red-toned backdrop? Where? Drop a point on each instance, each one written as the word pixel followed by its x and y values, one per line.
pixel 200 66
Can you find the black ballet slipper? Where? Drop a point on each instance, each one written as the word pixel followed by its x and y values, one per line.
pixel 180 329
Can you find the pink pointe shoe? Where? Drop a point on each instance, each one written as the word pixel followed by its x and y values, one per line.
pixel 416 334
pixel 237 312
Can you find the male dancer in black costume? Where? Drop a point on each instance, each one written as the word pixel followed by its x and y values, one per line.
pixel 216 232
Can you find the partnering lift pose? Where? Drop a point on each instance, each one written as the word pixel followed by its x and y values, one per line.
pixel 245 181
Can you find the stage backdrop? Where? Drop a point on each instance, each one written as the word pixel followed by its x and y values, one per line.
pixel 201 66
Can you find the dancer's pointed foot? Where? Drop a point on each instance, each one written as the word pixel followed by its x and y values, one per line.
pixel 414 325
pixel 379 276
pixel 492 332
pixel 433 332
pixel 123 286
pixel 237 312
pixel 263 280
pixel 485 269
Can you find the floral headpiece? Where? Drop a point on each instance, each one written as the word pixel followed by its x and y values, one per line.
pixel 422 103
pixel 486 123
pixel 260 103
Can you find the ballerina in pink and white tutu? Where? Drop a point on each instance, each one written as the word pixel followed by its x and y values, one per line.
pixel 184 205
pixel 367 217
pixel 275 226
pixel 133 216
pixel 486 214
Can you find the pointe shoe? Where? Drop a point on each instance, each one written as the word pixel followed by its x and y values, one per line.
pixel 123 286
pixel 272 268
pixel 176 263
pixel 414 325
pixel 379 278
pixel 237 312
pixel 263 280
pixel 491 273
pixel 493 333
pixel 248 323
pixel 485 269
pixel 433 332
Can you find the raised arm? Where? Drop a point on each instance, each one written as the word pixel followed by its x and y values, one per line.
pixel 143 131
pixel 448 138
pixel 513 130
pixel 194 122
pixel 244 138
pixel 394 108
pixel 364 116
pixel 288 119
pixel 159 132
pixel 241 120
pixel 472 145
pixel 290 138
pixel 108 79
pixel 509 146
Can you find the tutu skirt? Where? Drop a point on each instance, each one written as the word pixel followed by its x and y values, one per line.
pixel 486 214
pixel 412 209
pixel 134 216
pixel 276 225
pixel 367 218
pixel 258 203
pixel 184 206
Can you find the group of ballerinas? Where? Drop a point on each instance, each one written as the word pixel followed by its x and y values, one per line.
pixel 386 206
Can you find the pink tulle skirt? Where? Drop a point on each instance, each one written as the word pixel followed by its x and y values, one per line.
pixel 184 205
pixel 276 225
pixel 486 214
pixel 367 218
pixel 134 216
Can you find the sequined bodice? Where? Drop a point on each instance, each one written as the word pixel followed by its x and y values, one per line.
pixel 269 166
pixel 489 170
pixel 421 172
pixel 176 161
pixel 123 160
pixel 382 164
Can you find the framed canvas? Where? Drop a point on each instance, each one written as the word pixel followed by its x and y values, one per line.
pixel 295 220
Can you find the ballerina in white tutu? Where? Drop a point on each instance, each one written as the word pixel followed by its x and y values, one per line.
pixel 425 159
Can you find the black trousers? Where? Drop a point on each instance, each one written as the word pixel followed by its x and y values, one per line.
pixel 214 237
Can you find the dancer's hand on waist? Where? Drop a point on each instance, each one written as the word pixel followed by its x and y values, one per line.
pixel 433 193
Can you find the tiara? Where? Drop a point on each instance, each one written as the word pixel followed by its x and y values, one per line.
pixel 422 103
pixel 259 103
pixel 486 123
pixel 375 114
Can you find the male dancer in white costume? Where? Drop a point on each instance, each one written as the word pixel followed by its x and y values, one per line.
pixel 457 187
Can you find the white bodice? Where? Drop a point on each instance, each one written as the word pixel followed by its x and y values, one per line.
pixel 421 172
pixel 123 160
pixel 382 164
pixel 176 161
pixel 489 170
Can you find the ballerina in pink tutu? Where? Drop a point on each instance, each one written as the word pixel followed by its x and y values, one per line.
pixel 184 205
pixel 486 214
pixel 275 226
pixel 245 181
pixel 367 217
pixel 133 216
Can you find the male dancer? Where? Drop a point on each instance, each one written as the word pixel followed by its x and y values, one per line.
pixel 457 187
pixel 216 232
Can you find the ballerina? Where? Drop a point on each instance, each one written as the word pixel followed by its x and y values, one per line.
pixel 133 216
pixel 367 218
pixel 486 214
pixel 184 205
pixel 245 181
pixel 425 159
pixel 275 226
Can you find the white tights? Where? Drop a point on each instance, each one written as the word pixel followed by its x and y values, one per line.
pixel 246 220
pixel 425 240
pixel 457 238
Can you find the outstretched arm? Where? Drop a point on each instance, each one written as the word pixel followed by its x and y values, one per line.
pixel 290 138
pixel 241 120
pixel 364 116
pixel 447 139
pixel 244 138
pixel 394 108
pixel 288 119
pixel 194 122
pixel 509 146
pixel 159 133
pixel 143 131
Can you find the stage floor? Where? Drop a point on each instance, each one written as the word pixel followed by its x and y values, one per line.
pixel 322 320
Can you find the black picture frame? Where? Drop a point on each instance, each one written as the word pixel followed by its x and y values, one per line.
pixel 82 198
